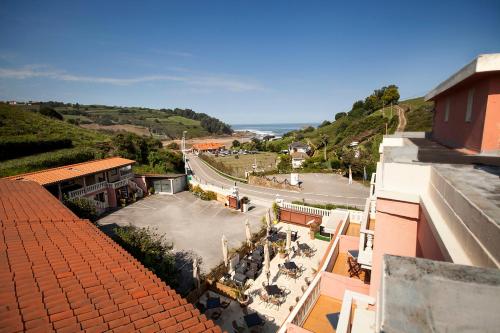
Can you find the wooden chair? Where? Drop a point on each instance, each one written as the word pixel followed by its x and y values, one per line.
pixel 264 297
pixel 354 268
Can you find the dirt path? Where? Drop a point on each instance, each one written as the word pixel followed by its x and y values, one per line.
pixel 402 119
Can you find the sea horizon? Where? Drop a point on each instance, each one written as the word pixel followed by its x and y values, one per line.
pixel 276 129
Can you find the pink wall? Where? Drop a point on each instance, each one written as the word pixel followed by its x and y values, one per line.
pixel 347 243
pixel 112 197
pixel 457 133
pixel 141 182
pixel 427 246
pixel 394 234
pixel 334 285
pixel 491 132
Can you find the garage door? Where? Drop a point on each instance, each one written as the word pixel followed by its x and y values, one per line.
pixel 162 185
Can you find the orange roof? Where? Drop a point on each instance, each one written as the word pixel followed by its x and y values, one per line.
pixel 58 272
pixel 55 175
pixel 208 146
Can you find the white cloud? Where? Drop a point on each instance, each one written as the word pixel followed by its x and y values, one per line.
pixel 201 81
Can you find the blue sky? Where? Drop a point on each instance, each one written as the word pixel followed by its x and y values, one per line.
pixel 241 61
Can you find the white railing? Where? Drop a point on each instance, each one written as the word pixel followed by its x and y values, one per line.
pixel 98 204
pixel 96 187
pixel 366 236
pixel 305 209
pixel 118 184
pixel 126 175
pixel 356 216
pixel 307 302
pixel 77 193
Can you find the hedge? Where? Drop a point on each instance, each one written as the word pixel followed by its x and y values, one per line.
pixel 24 146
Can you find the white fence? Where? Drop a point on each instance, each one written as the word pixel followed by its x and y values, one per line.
pixel 118 184
pixel 305 209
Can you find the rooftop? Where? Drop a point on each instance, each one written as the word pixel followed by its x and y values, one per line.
pixel 420 295
pixel 58 272
pixel 208 146
pixel 484 63
pixel 298 144
pixel 55 175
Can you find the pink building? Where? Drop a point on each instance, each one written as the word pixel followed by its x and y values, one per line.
pixel 467 107
pixel 425 253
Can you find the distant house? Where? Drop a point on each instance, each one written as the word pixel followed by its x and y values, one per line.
pixel 298 147
pixel 298 159
pixel 102 182
pixel 467 107
pixel 210 147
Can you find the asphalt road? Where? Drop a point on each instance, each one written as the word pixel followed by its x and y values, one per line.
pixel 317 188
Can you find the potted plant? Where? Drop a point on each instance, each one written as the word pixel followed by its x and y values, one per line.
pixel 123 202
pixel 244 204
pixel 241 297
pixel 151 190
pixel 281 249
pixel 313 229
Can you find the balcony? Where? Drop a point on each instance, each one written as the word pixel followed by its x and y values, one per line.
pixel 324 315
pixel 87 190
pixel 118 184
pixel 367 228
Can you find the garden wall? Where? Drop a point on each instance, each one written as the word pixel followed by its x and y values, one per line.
pixel 269 182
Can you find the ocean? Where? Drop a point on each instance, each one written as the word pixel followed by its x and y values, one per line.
pixel 271 129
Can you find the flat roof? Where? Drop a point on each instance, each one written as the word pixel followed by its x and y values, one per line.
pixel 59 272
pixel 482 64
pixel 420 295
pixel 67 172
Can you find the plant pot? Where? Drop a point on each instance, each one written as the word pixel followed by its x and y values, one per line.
pixel 244 208
pixel 311 234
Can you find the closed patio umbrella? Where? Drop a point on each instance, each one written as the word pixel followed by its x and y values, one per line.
pixel 350 175
pixel 288 239
pixel 196 273
pixel 267 261
pixel 224 250
pixel 248 233
pixel 268 219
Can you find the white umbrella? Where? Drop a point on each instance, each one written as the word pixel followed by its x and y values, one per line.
pixel 267 261
pixel 248 232
pixel 350 175
pixel 196 273
pixel 224 250
pixel 288 238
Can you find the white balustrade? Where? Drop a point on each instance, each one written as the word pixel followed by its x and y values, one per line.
pixel 76 193
pixel 118 184
pixel 96 187
pixel 305 209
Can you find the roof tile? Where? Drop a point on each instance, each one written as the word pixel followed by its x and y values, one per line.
pixel 60 272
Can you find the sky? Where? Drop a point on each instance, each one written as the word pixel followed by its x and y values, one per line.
pixel 241 61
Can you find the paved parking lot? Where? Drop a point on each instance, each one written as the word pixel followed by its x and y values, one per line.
pixel 190 223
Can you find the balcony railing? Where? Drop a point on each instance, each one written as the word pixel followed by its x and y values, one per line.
pixel 118 184
pixel 86 190
pixel 366 236
pixel 307 302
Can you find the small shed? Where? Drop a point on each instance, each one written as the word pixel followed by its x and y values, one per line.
pixel 162 183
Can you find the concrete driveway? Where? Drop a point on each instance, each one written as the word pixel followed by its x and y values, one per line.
pixel 190 223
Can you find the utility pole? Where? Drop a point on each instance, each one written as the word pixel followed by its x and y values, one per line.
pixel 183 149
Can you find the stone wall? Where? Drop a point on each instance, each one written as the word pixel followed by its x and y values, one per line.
pixel 269 182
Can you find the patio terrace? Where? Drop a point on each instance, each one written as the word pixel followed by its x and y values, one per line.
pixel 273 315
pixel 324 315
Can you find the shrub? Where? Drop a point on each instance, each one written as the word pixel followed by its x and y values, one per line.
pixel 150 248
pixel 82 207
pixel 173 145
pixel 50 112
pixel 13 147
pixel 202 194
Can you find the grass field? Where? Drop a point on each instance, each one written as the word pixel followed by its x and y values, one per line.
pixel 265 161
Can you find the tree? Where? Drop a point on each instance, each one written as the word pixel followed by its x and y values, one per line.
pixel 340 115
pixel 324 123
pixel 324 143
pixel 391 95
pixel 236 143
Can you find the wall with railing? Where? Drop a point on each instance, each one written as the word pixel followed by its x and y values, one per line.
pixel 305 209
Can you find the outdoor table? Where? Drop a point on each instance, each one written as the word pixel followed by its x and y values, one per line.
pixel 273 238
pixel 272 290
pixel 213 303
pixel 240 278
pixel 251 274
pixel 304 246
pixel 290 265
pixel 252 320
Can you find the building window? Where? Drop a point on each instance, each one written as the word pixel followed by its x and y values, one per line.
pixel 447 110
pixel 470 102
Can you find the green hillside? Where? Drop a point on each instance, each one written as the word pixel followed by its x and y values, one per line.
pixel 159 123
pixel 365 123
pixel 30 141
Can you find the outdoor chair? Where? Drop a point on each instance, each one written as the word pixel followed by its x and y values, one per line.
pixel 354 268
pixel 275 301
pixel 264 298
pixel 237 328
pixel 294 236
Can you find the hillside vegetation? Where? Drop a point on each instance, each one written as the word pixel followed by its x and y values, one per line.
pixel 31 141
pixel 353 138
pixel 160 123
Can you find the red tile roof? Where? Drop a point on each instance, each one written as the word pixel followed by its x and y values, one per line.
pixel 208 146
pixel 60 273
pixel 55 175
